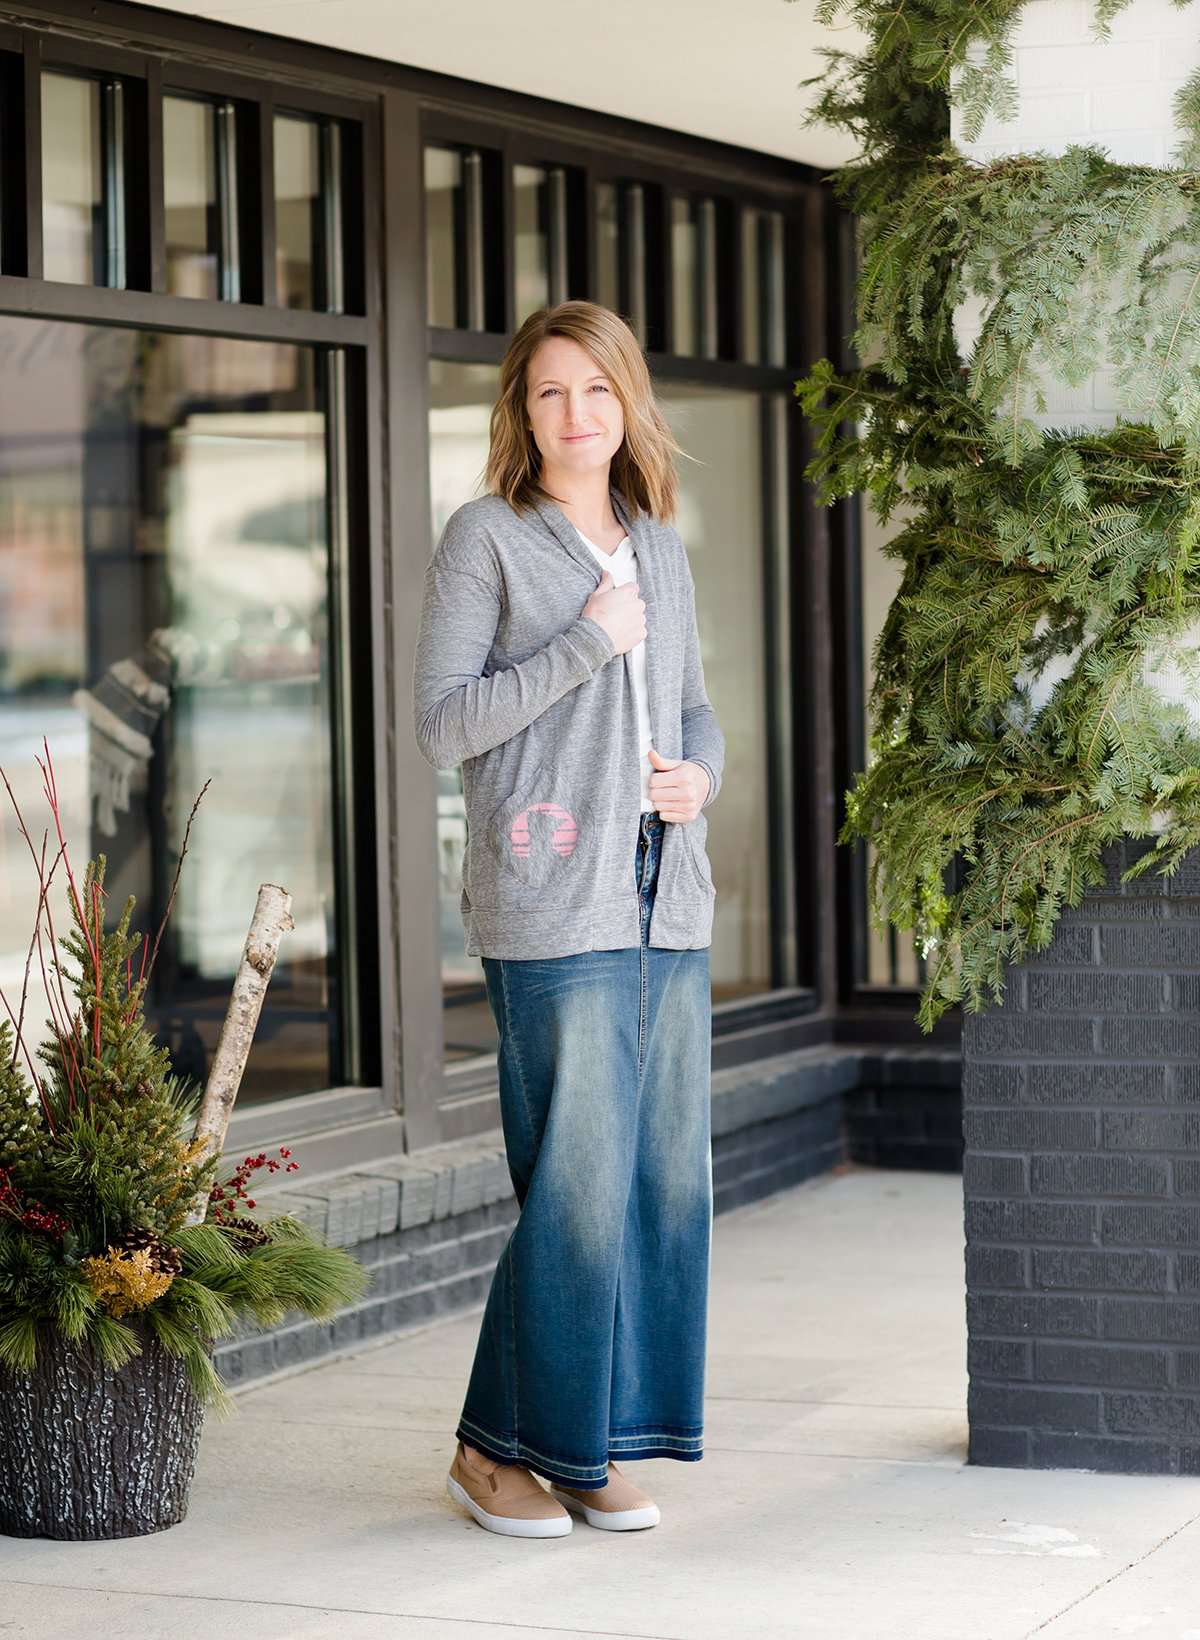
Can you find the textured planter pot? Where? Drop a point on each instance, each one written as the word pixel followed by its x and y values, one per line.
pixel 1081 1178
pixel 87 1452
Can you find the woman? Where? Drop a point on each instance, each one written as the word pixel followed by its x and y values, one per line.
pixel 558 662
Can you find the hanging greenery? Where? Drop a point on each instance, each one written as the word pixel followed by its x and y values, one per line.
pixel 1016 726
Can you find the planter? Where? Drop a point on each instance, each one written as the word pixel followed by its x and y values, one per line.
pixel 87 1452
pixel 1081 1175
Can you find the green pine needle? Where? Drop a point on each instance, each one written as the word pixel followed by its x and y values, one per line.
pixel 1015 728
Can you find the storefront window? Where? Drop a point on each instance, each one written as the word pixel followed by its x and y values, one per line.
pixel 72 180
pixel 460 406
pixel 445 237
pixel 702 256
pixel 608 246
pixel 164 620
pixel 531 240
pixel 773 328
pixel 721 522
pixel 465 272
pixel 685 276
pixel 190 196
pixel 299 242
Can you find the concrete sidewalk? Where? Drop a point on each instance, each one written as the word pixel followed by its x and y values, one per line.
pixel 833 1499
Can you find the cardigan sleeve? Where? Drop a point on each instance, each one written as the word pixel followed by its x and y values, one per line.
pixel 703 742
pixel 457 712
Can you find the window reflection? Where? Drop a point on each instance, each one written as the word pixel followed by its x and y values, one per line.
pixel 445 236
pixel 685 277
pixel 298 238
pixel 531 240
pixel 721 521
pixel 608 246
pixel 72 180
pixel 190 196
pixel 164 620
pixel 461 397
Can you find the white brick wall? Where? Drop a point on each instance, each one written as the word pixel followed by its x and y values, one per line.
pixel 1115 93
pixel 1118 95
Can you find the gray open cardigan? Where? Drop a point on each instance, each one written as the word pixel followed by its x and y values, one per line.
pixel 512 681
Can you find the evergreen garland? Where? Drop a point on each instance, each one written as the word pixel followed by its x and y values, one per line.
pixel 1028 555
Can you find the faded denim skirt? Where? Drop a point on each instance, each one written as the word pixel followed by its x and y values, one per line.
pixel 592 1343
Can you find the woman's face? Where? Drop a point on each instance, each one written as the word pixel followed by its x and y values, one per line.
pixel 573 409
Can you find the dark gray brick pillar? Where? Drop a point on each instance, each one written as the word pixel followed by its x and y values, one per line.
pixel 1081 1179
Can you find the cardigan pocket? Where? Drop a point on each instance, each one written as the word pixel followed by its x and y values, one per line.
pixel 542 836
pixel 694 834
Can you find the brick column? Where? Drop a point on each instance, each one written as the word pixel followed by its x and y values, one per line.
pixel 1081 1094
pixel 1081 1115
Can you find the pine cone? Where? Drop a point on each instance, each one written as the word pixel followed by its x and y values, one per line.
pixel 246 1233
pixel 166 1261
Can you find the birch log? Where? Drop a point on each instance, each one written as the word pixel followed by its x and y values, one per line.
pixel 271 920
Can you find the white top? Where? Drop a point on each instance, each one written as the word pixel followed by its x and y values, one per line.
pixel 622 566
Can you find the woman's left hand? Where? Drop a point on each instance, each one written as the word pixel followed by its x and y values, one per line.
pixel 677 787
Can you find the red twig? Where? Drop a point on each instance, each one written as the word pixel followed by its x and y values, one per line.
pixel 59 1031
pixel 56 966
pixel 59 1028
pixel 67 1022
pixel 99 948
pixel 50 786
pixel 45 881
pixel 68 1012
pixel 67 1039
pixel 37 1081
pixel 43 903
pixel 51 791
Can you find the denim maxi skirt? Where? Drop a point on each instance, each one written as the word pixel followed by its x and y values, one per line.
pixel 592 1342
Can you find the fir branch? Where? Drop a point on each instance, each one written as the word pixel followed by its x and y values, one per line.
pixel 1014 734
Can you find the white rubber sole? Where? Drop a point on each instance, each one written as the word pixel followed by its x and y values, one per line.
pixel 509 1525
pixel 609 1520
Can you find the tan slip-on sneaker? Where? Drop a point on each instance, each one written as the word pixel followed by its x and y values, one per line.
pixel 618 1506
pixel 507 1499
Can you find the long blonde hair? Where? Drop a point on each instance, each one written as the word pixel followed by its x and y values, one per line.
pixel 642 469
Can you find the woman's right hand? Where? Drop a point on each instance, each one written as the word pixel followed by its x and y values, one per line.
pixel 619 610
